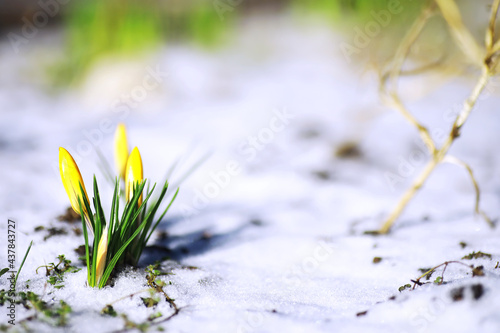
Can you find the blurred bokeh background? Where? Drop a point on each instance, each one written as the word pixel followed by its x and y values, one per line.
pixel 215 67
pixel 87 31
pixel 275 105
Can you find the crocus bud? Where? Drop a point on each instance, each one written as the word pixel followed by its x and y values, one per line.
pixel 121 149
pixel 133 174
pixel 73 183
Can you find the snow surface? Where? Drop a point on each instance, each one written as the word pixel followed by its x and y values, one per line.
pixel 287 251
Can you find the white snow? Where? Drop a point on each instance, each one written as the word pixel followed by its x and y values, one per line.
pixel 287 252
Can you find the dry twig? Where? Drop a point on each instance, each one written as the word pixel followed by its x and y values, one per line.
pixel 429 272
pixel 486 59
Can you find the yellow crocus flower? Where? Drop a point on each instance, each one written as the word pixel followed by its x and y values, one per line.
pixel 121 149
pixel 133 174
pixel 102 251
pixel 72 179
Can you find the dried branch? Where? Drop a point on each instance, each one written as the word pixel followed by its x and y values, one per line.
pixel 456 161
pixel 488 64
pixel 417 282
pixel 464 39
pixel 391 96
pixel 490 32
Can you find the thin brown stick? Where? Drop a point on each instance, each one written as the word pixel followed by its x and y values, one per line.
pixel 463 38
pixel 424 68
pixel 417 282
pixel 129 296
pixel 496 47
pixel 440 154
pixel 490 32
pixel 390 96
pixel 492 47
pixel 456 161
pixel 153 323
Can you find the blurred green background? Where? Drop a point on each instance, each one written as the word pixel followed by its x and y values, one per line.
pixel 94 29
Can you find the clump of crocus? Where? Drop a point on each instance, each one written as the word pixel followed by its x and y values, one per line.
pixel 122 238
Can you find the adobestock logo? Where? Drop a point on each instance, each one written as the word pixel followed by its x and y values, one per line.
pixel 363 37
pixel 139 93
pixel 30 28
pixel 299 273
pixel 253 322
pixel 249 149
pixel 407 166
pixel 223 6
pixel 120 109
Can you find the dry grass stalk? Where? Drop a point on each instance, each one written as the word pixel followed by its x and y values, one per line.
pixel 486 59
pixel 464 39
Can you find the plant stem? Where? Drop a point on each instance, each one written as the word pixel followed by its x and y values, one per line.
pixel 441 153
pixel 407 196
pixel 433 269
pixel 22 263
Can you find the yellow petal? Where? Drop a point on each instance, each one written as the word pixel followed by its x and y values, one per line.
pixel 133 174
pixel 72 179
pixel 121 149
pixel 102 251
